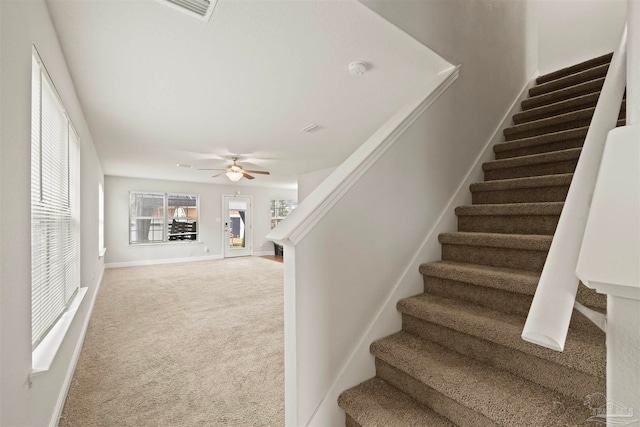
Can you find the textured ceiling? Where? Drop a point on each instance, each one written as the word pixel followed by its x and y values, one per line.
pixel 159 87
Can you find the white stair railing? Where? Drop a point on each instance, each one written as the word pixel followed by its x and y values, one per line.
pixel 550 313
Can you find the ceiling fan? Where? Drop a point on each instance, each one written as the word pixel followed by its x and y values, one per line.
pixel 235 172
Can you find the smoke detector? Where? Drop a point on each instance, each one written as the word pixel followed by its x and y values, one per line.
pixel 357 68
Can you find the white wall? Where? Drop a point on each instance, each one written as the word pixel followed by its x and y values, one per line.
pixel 572 31
pixel 210 232
pixel 309 181
pixel 23 23
pixel 348 265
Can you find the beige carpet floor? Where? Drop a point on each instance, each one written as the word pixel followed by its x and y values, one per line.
pixel 192 344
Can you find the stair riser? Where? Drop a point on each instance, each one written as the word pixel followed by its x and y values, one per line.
pixel 509 224
pixel 569 81
pixel 553 97
pixel 495 299
pixel 508 302
pixel 449 408
pixel 544 129
pixel 539 149
pixel 569 382
pixel 585 101
pixel 350 422
pixel 522 259
pixel 565 166
pixel 523 195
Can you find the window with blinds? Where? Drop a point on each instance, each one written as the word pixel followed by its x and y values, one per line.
pixel 55 214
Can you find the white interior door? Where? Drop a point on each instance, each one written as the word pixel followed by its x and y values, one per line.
pixel 237 226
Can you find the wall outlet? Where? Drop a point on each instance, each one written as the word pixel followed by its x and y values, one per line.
pixel 206 249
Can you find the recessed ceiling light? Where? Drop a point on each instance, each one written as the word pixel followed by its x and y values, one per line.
pixel 184 165
pixel 311 128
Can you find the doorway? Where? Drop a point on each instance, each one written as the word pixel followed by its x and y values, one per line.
pixel 237 229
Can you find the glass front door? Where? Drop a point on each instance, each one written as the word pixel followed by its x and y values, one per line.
pixel 237 226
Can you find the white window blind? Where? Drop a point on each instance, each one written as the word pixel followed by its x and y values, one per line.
pixel 55 216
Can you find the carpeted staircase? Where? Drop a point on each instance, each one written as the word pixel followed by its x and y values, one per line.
pixel 459 358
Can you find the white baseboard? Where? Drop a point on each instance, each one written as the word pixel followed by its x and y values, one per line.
pixel 359 366
pixel 161 261
pixel 62 397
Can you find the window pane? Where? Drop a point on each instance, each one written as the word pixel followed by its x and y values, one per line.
pixel 183 216
pixel 146 217
pixel 100 218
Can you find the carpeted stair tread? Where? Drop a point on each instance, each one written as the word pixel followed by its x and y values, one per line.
pixel 566 93
pixel 519 251
pixel 543 188
pixel 497 240
pixel 376 403
pixel 520 183
pixel 545 139
pixel 571 120
pixel 569 382
pixel 546 142
pixel 594 62
pixel 504 279
pixel 583 352
pixel 510 218
pixel 560 107
pixel 499 397
pixel 564 121
pixel 590 74
pixel 507 279
pixel 533 159
pixel 543 208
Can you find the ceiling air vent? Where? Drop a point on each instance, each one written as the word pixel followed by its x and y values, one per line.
pixel 198 8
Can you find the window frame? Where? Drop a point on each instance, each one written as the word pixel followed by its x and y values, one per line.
pixel 101 244
pixel 47 337
pixel 165 219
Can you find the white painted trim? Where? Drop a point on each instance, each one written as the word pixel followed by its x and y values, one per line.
pixel 161 261
pixel 314 207
pixel 376 328
pixel 45 353
pixel 62 397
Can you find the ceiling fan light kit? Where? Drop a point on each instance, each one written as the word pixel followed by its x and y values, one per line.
pixel 234 176
pixel 235 172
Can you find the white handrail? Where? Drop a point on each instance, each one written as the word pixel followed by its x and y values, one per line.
pixel 550 313
pixel 299 222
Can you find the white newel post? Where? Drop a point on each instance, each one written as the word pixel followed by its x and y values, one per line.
pixel 610 254
pixel 610 262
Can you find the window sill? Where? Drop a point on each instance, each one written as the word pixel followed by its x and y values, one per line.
pixel 102 252
pixel 44 354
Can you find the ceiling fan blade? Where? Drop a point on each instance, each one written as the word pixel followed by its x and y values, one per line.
pixel 217 169
pixel 262 172
pixel 215 176
pixel 246 175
